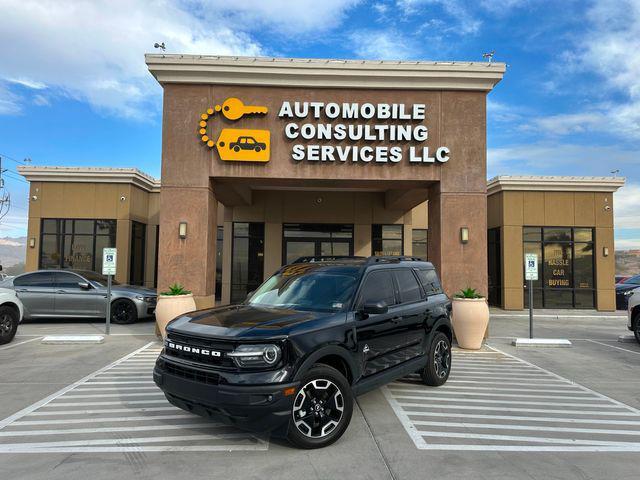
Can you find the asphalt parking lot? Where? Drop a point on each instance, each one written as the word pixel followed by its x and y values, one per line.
pixel 71 412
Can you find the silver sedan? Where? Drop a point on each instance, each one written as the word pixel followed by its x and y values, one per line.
pixel 80 294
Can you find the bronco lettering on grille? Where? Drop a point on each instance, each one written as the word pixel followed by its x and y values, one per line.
pixel 195 350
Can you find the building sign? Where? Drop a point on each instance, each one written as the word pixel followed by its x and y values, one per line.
pixel 380 133
pixel 109 256
pixel 558 267
pixel 237 144
pixel 328 126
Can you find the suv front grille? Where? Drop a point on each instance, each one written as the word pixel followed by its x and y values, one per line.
pixel 201 376
pixel 200 343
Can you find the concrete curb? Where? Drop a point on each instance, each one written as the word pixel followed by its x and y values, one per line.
pixel 72 339
pixel 541 342
pixel 627 339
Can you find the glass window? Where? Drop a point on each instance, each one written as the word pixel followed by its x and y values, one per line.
pixel 67 280
pixel 219 245
pixel 387 240
pixel 494 260
pixel 378 286
pixel 408 286
pixel 566 278
pixel 419 243
pixel 633 280
pixel 247 265
pixel 137 253
pixel 38 279
pixel 429 281
pixel 71 243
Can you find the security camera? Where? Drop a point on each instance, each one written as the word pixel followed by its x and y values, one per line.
pixel 123 198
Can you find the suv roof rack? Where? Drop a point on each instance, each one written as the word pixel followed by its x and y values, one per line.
pixel 326 258
pixel 393 259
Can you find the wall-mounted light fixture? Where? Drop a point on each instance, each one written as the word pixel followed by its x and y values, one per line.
pixel 605 251
pixel 32 242
pixel 182 230
pixel 464 235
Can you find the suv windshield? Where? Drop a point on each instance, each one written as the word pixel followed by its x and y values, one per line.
pixel 305 287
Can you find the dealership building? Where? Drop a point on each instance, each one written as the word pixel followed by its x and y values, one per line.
pixel 265 160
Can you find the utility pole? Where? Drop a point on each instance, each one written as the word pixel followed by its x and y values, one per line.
pixel 5 199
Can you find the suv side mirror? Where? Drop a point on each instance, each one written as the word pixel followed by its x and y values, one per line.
pixel 375 308
pixel 84 285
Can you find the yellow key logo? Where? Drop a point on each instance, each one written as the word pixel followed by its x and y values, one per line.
pixel 237 144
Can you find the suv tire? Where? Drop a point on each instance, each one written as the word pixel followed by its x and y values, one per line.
pixel 321 409
pixel 9 318
pixel 123 312
pixel 438 366
pixel 636 326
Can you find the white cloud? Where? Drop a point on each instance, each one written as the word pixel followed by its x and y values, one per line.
pixel 93 51
pixel 25 82
pixel 382 44
pixel 41 101
pixel 466 21
pixel 628 243
pixel 9 101
pixel 569 123
pixel 626 202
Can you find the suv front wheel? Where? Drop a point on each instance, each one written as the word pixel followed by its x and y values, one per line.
pixel 438 366
pixel 636 329
pixel 321 409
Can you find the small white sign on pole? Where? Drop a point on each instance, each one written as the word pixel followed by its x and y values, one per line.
pixel 109 261
pixel 531 266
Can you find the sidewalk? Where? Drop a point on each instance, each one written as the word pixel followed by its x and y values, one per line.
pixel 557 313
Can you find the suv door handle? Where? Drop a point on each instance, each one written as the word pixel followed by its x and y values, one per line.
pixel 21 290
pixel 396 319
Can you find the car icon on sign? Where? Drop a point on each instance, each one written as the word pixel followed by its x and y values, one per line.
pixel 247 143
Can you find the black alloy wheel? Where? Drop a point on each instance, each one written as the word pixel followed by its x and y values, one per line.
pixel 123 312
pixel 438 366
pixel 9 319
pixel 321 409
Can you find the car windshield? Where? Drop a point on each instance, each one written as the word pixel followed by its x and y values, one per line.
pixel 633 280
pixel 304 287
pixel 95 277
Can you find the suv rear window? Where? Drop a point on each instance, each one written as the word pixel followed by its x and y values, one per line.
pixel 429 281
pixel 408 286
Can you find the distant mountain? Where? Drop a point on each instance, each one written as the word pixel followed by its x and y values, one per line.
pixel 12 250
pixel 627 262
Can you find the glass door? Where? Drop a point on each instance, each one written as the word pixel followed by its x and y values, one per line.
pixel 313 240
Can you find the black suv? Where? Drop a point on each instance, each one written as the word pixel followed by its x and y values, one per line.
pixel 290 359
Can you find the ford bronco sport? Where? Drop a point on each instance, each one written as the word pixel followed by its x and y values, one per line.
pixel 291 358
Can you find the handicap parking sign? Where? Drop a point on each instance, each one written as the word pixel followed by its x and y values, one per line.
pixel 531 266
pixel 109 261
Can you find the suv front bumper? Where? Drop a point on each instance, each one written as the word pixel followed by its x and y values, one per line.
pixel 260 408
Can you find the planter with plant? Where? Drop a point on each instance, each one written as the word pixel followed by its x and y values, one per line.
pixel 470 318
pixel 171 304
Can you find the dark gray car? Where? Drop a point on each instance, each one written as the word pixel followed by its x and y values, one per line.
pixel 80 294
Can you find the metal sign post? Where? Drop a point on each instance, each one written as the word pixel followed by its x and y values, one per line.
pixel 109 256
pixel 531 274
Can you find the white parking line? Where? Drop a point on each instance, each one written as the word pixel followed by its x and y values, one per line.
pixel 132 403
pixel 495 395
pixel 7 347
pixel 613 346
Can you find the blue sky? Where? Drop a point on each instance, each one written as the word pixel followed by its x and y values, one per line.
pixel 74 89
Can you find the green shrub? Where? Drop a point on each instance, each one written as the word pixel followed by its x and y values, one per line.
pixel 176 289
pixel 468 293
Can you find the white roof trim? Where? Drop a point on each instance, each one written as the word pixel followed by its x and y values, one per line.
pixel 324 73
pixel 554 183
pixel 90 175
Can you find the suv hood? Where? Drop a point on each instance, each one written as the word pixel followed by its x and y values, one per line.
pixel 247 321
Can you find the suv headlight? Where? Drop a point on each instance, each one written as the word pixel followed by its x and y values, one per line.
pixel 264 355
pixel 628 293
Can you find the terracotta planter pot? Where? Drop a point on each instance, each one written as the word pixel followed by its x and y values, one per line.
pixel 470 318
pixel 170 307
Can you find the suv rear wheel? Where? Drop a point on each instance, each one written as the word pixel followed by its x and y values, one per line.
pixel 438 366
pixel 636 328
pixel 322 408
pixel 9 319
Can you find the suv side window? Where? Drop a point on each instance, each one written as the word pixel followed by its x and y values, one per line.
pixel 429 281
pixel 378 286
pixel 38 279
pixel 408 286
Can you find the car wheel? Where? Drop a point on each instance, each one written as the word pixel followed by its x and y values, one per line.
pixel 257 149
pixel 321 409
pixel 236 148
pixel 9 319
pixel 636 329
pixel 123 312
pixel 438 366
